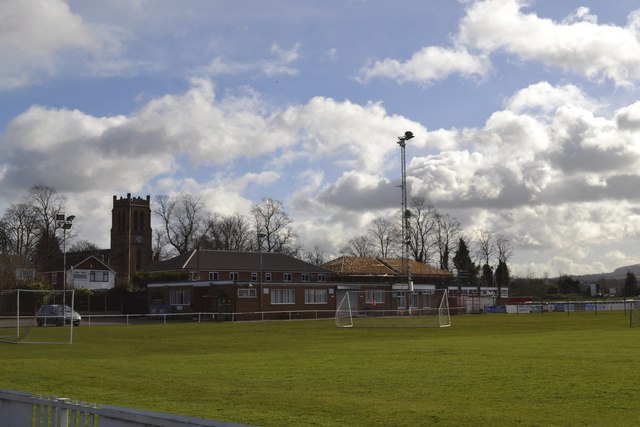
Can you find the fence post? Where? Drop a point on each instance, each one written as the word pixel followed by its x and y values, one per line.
pixel 61 413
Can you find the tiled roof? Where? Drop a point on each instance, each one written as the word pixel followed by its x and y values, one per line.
pixel 367 266
pixel 214 260
pixel 360 266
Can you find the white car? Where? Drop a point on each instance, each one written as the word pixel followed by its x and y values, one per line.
pixel 53 315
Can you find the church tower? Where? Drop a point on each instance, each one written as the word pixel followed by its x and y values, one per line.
pixel 130 236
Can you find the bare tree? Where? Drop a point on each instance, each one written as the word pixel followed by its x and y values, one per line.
pixel 385 237
pixel 503 246
pixel 485 242
pixel 84 246
pixel 359 246
pixel 485 246
pixel 272 221
pixel 21 229
pixel 231 233
pixel 315 256
pixel 447 232
pixel 183 220
pixel 421 229
pixel 47 204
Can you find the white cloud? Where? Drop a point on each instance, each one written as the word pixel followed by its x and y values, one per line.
pixel 428 65
pixel 579 44
pixel 38 36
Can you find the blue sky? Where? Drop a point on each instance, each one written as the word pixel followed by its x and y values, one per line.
pixel 525 114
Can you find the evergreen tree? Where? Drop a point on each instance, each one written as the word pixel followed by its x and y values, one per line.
pixel 630 285
pixel 502 278
pixel 467 270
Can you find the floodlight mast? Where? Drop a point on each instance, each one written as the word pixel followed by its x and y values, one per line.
pixel 65 224
pixel 404 213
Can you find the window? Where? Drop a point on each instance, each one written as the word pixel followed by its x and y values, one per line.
pixel 94 276
pixel 373 297
pixel 247 293
pixel 193 275
pixel 54 278
pixel 322 278
pixel 414 299
pixel 254 276
pixel 180 297
pixel 315 296
pixel 213 275
pixel 233 275
pixel 267 277
pixel 304 277
pixel 286 277
pixel 283 296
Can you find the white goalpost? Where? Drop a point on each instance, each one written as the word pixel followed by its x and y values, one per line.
pixel 26 314
pixel 374 308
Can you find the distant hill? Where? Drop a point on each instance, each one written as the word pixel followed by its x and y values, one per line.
pixel 618 273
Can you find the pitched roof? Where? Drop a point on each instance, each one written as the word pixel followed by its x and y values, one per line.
pixel 214 260
pixel 75 258
pixel 369 266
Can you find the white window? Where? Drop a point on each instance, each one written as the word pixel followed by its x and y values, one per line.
pixel 315 296
pixel 180 297
pixel 373 297
pixel 304 277
pixel 193 275
pixel 286 277
pixel 247 293
pixel 213 275
pixel 322 278
pixel 267 277
pixel 283 296
pixel 254 276
pixel 233 275
pixel 94 276
pixel 414 299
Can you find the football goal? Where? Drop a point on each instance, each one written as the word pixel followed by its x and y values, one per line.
pixel 29 316
pixel 374 308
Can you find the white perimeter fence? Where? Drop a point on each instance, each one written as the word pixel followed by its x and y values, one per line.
pixel 22 410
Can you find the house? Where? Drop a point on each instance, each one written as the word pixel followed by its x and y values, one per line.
pixel 83 271
pixel 242 285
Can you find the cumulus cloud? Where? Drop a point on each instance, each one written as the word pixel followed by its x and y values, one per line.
pixel 38 36
pixel 579 44
pixel 430 64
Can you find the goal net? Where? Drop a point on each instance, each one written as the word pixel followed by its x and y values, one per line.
pixel 30 316
pixel 373 308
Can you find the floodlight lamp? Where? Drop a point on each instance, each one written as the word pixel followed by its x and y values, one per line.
pixel 408 135
pixel 70 218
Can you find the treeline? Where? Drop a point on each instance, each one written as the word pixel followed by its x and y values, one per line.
pixel 27 229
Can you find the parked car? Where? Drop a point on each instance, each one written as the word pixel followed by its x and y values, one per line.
pixel 53 315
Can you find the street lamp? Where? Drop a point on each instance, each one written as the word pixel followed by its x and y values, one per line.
pixel 405 213
pixel 260 237
pixel 65 224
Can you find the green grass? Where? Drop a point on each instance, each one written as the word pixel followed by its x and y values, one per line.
pixel 484 370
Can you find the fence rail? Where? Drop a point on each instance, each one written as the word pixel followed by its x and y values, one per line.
pixel 19 409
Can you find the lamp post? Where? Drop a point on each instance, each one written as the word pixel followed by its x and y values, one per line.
pixel 260 237
pixel 65 224
pixel 405 214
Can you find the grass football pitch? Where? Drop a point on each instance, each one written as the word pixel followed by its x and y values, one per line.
pixel 528 370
